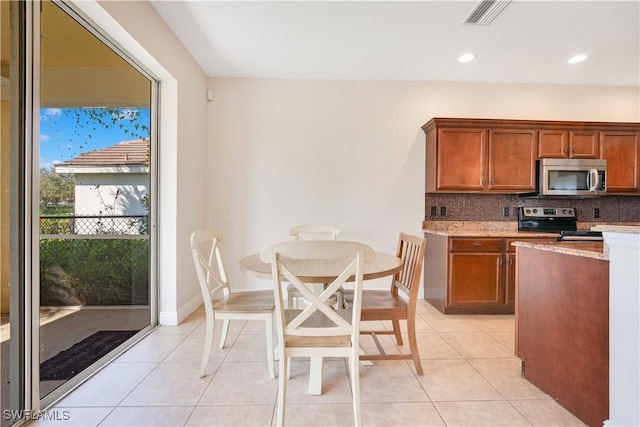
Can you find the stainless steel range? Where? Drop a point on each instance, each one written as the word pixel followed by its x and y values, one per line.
pixel 547 219
pixel 554 220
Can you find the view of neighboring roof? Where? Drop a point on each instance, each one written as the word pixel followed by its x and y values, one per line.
pixel 135 152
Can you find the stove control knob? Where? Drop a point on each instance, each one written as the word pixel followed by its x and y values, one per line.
pixel 527 211
pixel 535 211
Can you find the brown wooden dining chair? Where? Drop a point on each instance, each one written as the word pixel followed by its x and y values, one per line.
pixel 382 305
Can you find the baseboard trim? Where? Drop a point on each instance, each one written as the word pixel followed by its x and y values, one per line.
pixel 174 318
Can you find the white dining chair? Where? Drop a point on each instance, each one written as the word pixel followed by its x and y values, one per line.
pixel 317 330
pixel 313 232
pixel 222 304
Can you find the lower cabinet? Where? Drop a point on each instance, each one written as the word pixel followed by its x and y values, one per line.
pixel 471 274
pixel 476 272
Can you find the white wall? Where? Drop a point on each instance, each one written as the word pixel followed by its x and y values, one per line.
pixel 111 193
pixel 351 153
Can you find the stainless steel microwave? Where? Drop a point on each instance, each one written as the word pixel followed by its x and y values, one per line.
pixel 572 177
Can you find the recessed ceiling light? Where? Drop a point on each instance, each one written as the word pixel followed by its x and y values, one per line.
pixel 467 57
pixel 577 58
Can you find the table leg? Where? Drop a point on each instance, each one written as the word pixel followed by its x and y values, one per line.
pixel 315 376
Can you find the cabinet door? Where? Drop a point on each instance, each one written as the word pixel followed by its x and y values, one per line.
pixel 553 144
pixel 583 144
pixel 460 159
pixel 476 278
pixel 512 160
pixel 510 279
pixel 622 152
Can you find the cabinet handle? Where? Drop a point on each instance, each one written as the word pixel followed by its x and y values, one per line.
pixel 510 261
pixel 477 245
pixel 564 151
pixel 493 181
pixel 500 262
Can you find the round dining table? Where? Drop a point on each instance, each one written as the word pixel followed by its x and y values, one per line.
pixel 383 265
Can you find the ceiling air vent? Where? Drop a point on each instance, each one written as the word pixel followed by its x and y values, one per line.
pixel 486 11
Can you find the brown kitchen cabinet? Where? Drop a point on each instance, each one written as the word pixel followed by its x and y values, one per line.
pixel 622 152
pixel 480 159
pixel 510 267
pixel 476 272
pixel 459 159
pixel 511 160
pixel 499 156
pixel 474 275
pixel 565 144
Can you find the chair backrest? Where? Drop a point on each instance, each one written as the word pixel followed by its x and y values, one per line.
pixel 315 232
pixel 411 249
pixel 296 262
pixel 205 248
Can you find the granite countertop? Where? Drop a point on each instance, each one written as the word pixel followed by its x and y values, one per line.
pixel 584 249
pixel 630 229
pixel 491 233
pixel 510 229
pixel 479 229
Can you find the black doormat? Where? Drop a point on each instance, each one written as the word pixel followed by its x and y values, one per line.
pixel 68 363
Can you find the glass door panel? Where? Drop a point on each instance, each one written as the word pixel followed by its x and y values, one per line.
pixel 95 200
pixel 12 296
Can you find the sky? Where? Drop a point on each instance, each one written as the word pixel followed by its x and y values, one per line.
pixel 65 133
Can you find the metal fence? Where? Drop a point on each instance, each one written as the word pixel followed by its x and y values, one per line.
pixel 94 224
pixel 94 260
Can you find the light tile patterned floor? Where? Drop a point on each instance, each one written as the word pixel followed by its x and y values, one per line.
pixel 471 379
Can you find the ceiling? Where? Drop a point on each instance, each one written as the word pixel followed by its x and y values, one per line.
pixel 529 42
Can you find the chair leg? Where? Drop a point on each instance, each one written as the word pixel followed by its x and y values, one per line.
pixel 283 367
pixel 225 331
pixel 413 345
pixel 208 343
pixel 396 330
pixel 355 387
pixel 269 327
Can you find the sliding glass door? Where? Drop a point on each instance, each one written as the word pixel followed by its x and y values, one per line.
pixel 78 203
pixel 95 198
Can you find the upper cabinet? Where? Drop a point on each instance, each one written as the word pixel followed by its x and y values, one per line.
pixel 622 152
pixel 511 165
pixel 499 156
pixel 479 159
pixel 564 144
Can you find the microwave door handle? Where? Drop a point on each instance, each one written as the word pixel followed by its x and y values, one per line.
pixel 593 179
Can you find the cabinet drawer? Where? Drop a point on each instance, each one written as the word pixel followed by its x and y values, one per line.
pixel 476 245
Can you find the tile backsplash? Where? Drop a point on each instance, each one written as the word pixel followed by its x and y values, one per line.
pixel 491 207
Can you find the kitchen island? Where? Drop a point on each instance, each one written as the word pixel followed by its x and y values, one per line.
pixel 562 323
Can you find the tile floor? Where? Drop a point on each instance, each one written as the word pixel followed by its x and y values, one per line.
pixel 471 379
